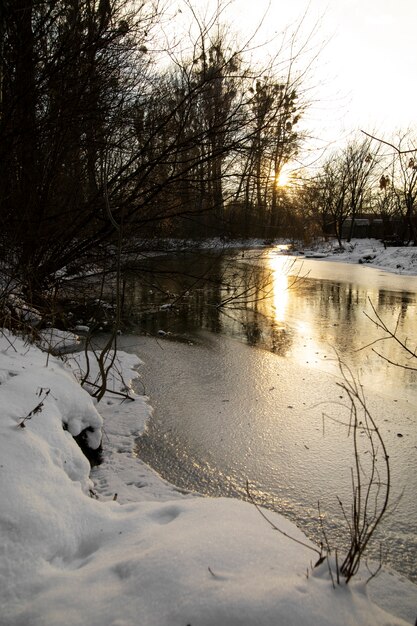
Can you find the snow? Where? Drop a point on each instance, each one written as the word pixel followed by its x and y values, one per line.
pixel 122 547
pixel 81 328
pixel 396 259
pixel 58 341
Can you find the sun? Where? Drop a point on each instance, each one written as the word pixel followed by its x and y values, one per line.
pixel 283 177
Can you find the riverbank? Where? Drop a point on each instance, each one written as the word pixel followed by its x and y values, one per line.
pixel 372 252
pixel 129 548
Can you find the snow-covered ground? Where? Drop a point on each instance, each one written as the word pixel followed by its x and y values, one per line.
pixel 123 548
pixel 396 259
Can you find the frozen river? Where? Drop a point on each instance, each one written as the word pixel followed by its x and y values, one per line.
pixel 248 393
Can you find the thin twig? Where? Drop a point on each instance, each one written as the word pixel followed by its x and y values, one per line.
pixel 260 511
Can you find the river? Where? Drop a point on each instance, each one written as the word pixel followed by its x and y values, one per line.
pixel 248 391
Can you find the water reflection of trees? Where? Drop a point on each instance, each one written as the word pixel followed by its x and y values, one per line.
pixel 219 293
pixel 399 301
pixel 241 297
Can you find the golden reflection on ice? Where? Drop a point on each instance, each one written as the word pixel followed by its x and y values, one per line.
pixel 280 266
pixel 303 327
pixel 284 275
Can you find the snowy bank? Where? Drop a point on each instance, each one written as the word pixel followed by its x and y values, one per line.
pixel 396 259
pixel 73 554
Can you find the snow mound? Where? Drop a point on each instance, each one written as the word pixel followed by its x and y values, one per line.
pixel 58 341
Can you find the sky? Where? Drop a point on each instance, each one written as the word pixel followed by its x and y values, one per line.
pixel 365 72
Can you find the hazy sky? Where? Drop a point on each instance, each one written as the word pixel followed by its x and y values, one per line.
pixel 366 74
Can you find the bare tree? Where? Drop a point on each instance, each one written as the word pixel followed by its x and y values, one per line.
pixel 68 69
pixel 403 181
pixel 274 114
pixel 406 189
pixel 341 186
pixel 360 165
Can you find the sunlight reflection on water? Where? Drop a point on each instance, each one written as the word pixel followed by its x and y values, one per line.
pixel 280 266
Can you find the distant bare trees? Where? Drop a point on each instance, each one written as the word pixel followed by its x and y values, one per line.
pixel 398 183
pixel 405 185
pixel 368 177
pixel 273 142
pixel 341 189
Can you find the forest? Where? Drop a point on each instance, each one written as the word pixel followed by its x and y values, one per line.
pixel 113 131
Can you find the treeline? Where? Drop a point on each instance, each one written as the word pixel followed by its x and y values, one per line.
pixel 101 135
pixel 366 178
